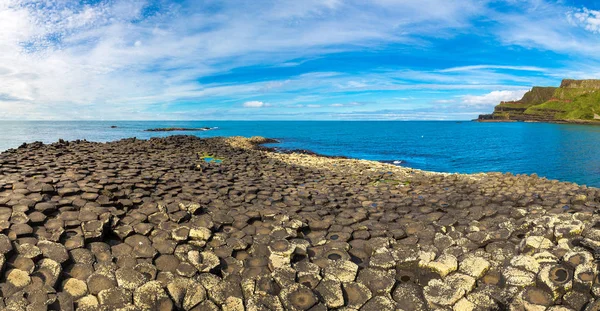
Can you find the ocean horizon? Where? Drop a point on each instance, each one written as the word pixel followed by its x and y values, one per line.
pixel 564 152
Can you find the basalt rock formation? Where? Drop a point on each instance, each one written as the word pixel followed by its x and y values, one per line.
pixel 178 129
pixel 575 101
pixel 148 225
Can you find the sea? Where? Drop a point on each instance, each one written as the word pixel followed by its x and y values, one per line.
pixel 555 151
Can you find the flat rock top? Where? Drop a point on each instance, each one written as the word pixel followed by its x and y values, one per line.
pixel 151 225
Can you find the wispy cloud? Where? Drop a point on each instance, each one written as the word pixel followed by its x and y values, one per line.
pixel 140 52
pixel 586 18
pixel 132 59
pixel 254 104
pixel 479 67
pixel 491 99
pixel 350 104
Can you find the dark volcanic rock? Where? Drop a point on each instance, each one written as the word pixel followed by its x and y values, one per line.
pixel 173 129
pixel 150 225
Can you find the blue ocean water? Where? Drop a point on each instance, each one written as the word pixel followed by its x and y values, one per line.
pixel 557 151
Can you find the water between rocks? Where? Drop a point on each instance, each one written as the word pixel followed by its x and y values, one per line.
pixel 557 151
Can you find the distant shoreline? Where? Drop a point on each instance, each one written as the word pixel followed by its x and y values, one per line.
pixel 576 122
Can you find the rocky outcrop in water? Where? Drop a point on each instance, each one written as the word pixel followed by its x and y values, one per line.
pixel 179 129
pixel 149 225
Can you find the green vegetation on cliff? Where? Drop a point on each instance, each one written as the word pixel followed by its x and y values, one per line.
pixel 570 104
pixel 536 96
pixel 573 101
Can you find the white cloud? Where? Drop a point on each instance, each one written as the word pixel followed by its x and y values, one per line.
pixel 107 57
pixel 350 104
pixel 491 99
pixel 254 104
pixel 586 18
pixel 305 106
pixel 480 67
pixel 549 25
pixel 63 60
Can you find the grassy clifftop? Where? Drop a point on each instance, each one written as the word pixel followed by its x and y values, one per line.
pixel 573 101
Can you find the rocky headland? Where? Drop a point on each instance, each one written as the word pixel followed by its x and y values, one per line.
pixel 149 225
pixel 575 101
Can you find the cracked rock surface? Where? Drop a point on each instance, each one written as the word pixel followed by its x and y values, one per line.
pixel 151 225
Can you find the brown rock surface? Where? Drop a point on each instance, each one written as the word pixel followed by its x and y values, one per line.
pixel 137 224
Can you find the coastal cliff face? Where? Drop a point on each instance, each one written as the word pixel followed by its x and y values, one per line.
pixel 574 101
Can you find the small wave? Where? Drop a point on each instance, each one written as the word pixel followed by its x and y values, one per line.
pixel 394 162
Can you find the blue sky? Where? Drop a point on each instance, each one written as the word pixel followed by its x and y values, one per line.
pixel 286 60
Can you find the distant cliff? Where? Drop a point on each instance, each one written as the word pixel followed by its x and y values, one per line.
pixel 575 101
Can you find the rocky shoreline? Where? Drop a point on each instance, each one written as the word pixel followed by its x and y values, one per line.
pixel 148 225
pixel 179 129
pixel 575 122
